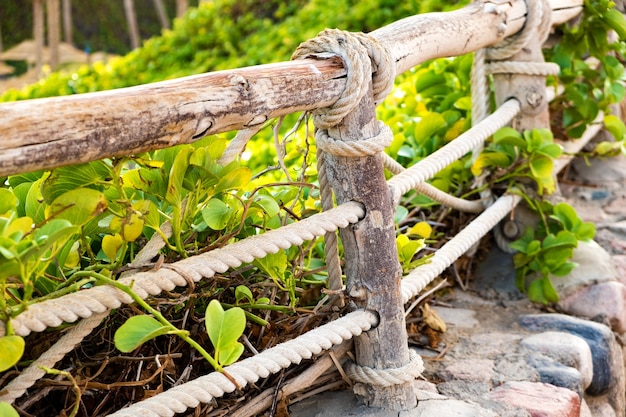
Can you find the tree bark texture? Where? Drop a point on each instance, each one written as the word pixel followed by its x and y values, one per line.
pixel 67 22
pixel 45 133
pixel 181 7
pixel 131 19
pixel 160 9
pixel 38 33
pixel 54 32
pixel 372 268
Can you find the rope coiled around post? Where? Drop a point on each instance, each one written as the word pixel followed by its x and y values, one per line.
pixel 214 385
pixel 387 377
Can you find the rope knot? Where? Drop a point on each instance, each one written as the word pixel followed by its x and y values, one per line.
pixel 364 57
pixel 387 377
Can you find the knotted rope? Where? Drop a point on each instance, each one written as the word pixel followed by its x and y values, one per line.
pixel 536 29
pixel 387 377
pixel 365 59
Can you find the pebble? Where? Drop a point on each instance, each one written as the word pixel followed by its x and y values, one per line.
pixel 565 348
pixel 606 300
pixel 539 399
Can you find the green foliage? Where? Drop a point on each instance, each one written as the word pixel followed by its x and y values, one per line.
pixel 547 251
pixel 224 328
pixel 591 85
pixel 7 410
pixel 12 348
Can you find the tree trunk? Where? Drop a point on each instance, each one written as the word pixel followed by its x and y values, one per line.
pixel 181 7
pixel 160 9
pixel 131 18
pixel 54 32
pixel 38 33
pixel 67 22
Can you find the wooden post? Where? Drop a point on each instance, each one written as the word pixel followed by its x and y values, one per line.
pixel 131 18
pixel 160 9
pixel 372 268
pixel 181 7
pixel 38 33
pixel 54 32
pixel 530 90
pixel 67 22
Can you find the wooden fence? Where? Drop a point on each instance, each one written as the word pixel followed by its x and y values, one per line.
pixel 52 132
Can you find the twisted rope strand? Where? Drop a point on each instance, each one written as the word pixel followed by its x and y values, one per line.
pixel 387 377
pixel 435 162
pixel 85 303
pixel 214 385
pixel 421 276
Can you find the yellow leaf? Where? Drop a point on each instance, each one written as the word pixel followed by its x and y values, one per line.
pixel 111 244
pixel 432 319
pixel 421 229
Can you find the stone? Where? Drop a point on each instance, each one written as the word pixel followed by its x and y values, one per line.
pixel 555 373
pixel 619 261
pixel 607 355
pixel 566 348
pixel 606 300
pixel 539 399
pixel 600 407
pixel 594 266
pixel 458 317
pixel 474 370
pixel 584 409
pixel 447 408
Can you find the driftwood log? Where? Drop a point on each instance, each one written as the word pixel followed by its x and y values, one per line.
pixel 46 133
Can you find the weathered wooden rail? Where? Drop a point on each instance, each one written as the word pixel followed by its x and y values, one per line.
pixel 50 132
pixel 46 133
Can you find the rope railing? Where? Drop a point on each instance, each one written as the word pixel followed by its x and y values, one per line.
pixel 362 55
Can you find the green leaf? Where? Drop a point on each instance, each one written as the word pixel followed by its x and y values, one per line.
pixel 8 201
pixel 535 292
pixel 549 292
pixel 615 126
pixel 428 126
pixel 421 229
pixel 267 204
pixel 616 21
pixel 586 231
pixel 509 136
pixel 136 331
pixel 274 264
pixel 7 410
pixel 174 194
pixel 489 159
pixel 563 238
pixel 224 328
pixel 234 179
pixel 564 269
pixel 11 350
pixel 217 214
pixel 541 166
pixel 243 293
pixel 78 206
pixel 65 179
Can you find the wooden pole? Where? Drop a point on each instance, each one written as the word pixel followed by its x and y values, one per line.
pixel 44 133
pixel 160 9
pixel 372 268
pixel 67 22
pixel 38 33
pixel 131 18
pixel 54 32
pixel 181 7
pixel 529 90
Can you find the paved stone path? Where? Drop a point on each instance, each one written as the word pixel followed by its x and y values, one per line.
pixel 505 356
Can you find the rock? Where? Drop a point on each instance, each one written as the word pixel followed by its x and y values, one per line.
pixel 447 408
pixel 594 266
pixel 599 407
pixel 607 299
pixel 607 356
pixel 584 409
pixel 566 348
pixel 539 399
pixel 555 373
pixel 474 370
pixel 459 317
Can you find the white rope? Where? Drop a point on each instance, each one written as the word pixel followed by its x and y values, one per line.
pixel 438 160
pixel 421 276
pixel 204 389
pixel 387 377
pixel 18 386
pixel 468 206
pixel 85 303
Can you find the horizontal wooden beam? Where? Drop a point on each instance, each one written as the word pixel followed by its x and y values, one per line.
pixel 46 133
